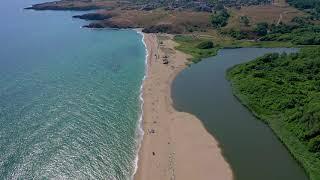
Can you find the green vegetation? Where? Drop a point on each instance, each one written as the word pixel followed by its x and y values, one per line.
pixel 284 91
pixel 197 48
pixel 302 34
pixel 244 20
pixel 237 34
pixel 310 6
pixel 202 47
pixel 220 18
pixel 262 29
pixel 301 30
pixel 205 45
pixel 304 4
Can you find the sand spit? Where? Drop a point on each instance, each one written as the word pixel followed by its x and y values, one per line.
pixel 175 144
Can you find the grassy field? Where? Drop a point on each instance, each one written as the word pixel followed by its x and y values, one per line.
pixel 283 91
pixel 188 44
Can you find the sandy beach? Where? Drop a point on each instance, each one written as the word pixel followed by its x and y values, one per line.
pixel 175 144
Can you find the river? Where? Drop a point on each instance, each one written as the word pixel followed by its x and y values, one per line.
pixel 249 145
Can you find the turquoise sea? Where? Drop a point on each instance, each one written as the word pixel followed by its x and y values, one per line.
pixel 69 96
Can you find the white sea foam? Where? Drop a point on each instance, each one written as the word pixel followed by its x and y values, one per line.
pixel 139 130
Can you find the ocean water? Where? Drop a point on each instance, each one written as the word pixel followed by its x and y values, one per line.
pixel 69 97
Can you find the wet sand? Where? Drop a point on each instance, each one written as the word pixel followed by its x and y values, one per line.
pixel 175 144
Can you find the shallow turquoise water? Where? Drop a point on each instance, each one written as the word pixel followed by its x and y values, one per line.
pixel 69 97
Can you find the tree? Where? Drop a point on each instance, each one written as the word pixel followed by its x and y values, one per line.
pixel 205 45
pixel 220 19
pixel 244 20
pixel 262 29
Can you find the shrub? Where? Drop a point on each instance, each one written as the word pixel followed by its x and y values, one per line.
pixel 314 144
pixel 262 29
pixel 244 20
pixel 220 19
pixel 205 45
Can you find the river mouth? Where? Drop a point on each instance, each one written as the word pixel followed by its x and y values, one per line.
pixel 249 145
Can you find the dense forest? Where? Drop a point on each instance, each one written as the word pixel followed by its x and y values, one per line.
pixel 284 91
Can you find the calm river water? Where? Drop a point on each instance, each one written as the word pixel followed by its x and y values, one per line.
pixel 248 144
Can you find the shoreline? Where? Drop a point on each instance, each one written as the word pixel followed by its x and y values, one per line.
pixel 140 132
pixel 170 139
